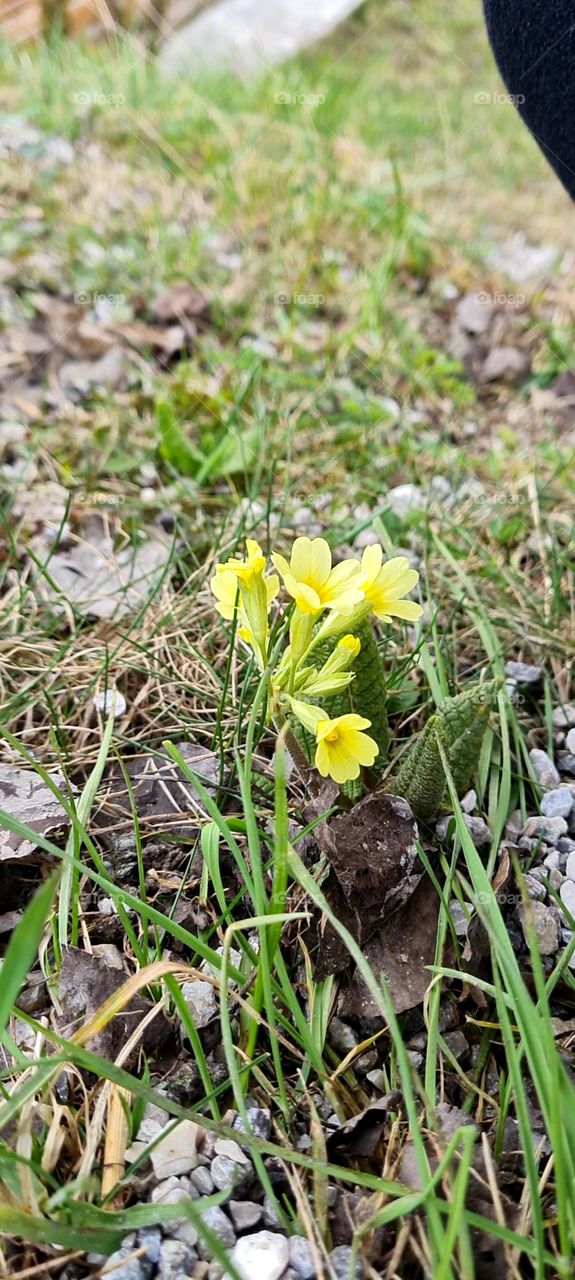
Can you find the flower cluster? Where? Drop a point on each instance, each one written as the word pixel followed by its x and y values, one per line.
pixel 329 603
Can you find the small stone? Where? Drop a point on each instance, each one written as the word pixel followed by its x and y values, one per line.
pixel 459 918
pixel 565 845
pixel 201 1000
pixel 176 1259
pixel 259 1120
pixel 457 1042
pixel 557 803
pixel 543 768
pixel 217 1222
pixel 271 1215
pixel 415 1058
pixel 469 802
pixel 111 702
pixel 564 717
pixel 566 764
pixel 547 829
pixel 478 830
pixel 340 1260
pixel 523 673
pixel 177 1152
pixel 366 538
pixel 570 865
pixel 366 1061
pixel 473 315
pixel 545 925
pixel 506 364
pixel 245 1214
pixel 262 1256
pixel 567 892
pixel 150 1239
pixel 566 936
pixel 405 498
pixel 342 1036
pixel 121 1266
pixel 535 889
pixel 225 1173
pixel 570 741
pixel 553 860
pixel 301 1258
pixel 514 826
pixel 377 1079
pixel 232 1150
pixel 202 1180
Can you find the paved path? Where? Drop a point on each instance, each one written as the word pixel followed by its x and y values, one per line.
pixel 250 35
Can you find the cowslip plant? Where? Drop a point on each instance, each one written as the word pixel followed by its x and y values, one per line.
pixel 331 607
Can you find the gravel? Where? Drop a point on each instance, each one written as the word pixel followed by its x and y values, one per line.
pixel 262 1256
pixel 245 1214
pixel 557 803
pixel 201 1000
pixel 545 924
pixel 544 769
pixel 564 717
pixel 547 829
pixel 177 1152
pixel 301 1258
pixel 567 892
pixel 340 1261
pixel 570 865
pixel 176 1260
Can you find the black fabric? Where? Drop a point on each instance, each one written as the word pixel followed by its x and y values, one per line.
pixel 534 44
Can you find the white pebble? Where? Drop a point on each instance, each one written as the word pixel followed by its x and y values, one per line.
pixel 111 702
pixel 262 1256
pixel 567 892
pixel 570 867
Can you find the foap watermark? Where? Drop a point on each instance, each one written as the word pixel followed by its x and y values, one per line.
pixel 95 98
pixel 500 299
pixel 285 299
pixel 484 99
pixel 86 299
pixel 299 99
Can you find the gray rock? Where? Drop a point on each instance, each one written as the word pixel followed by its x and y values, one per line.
pixel 535 888
pixel 340 1261
pixel 245 1214
pixel 232 1150
pixel 457 1042
pixel 473 314
pixel 176 1153
pixel 125 1268
pixel 260 1122
pixel 201 1001
pixel 176 1259
pixel 342 1037
pixel 545 925
pixel 469 801
pixel 543 768
pixel 217 1222
pixel 225 1173
pixel 570 865
pixel 564 717
pixel 301 1257
pixel 150 1239
pixel 506 364
pixel 566 765
pixel 523 673
pixel 405 498
pixel 570 741
pixel 553 860
pixel 514 826
pixel 262 1256
pixel 557 803
pixel 567 892
pixel 459 918
pixel 378 1079
pixel 271 1215
pixel 565 845
pixel 546 829
pixel 478 830
pixel 202 1180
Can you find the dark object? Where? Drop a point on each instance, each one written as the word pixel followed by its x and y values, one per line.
pixel 534 44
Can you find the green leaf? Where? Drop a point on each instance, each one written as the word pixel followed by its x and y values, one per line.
pixel 174 444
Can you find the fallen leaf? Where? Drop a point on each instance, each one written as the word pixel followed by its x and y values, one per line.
pixel 360 1136
pixel 99 581
pixel 25 797
pixel 85 982
pixel 402 950
pixel 180 301
pixel 374 867
pixel 163 797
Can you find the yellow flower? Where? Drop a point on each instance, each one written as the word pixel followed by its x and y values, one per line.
pixel 342 747
pixel 313 583
pixel 256 595
pixel 384 585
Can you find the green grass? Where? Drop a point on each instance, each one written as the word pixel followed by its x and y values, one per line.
pixel 361 209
